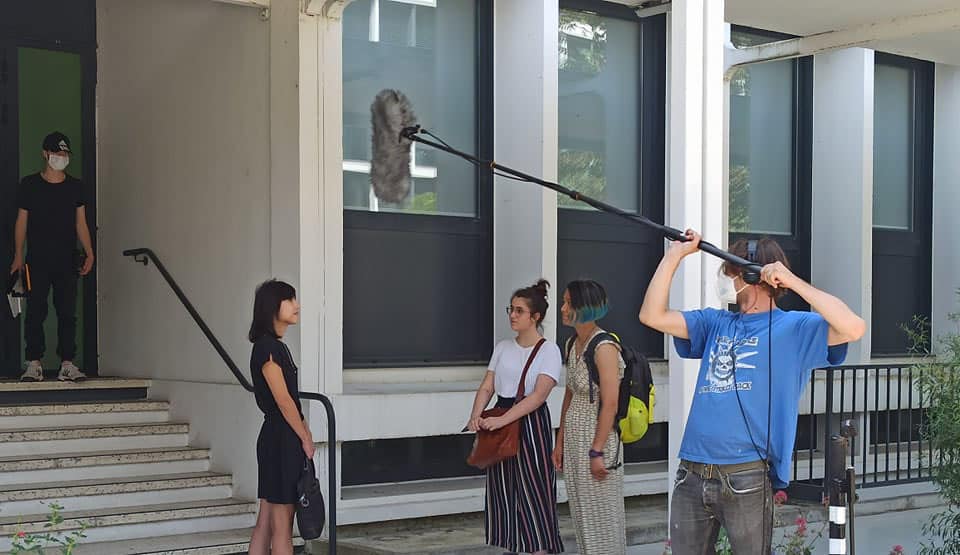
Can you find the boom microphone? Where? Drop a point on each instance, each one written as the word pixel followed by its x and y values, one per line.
pixel 395 128
pixel 390 114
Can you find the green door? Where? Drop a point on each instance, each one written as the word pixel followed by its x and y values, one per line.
pixel 50 85
pixel 43 90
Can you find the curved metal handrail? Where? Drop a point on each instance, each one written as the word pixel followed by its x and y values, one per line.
pixel 145 256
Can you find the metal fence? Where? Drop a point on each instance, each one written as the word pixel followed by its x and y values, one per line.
pixel 886 404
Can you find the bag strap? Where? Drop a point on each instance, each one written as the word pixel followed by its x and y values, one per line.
pixel 521 388
pixel 588 357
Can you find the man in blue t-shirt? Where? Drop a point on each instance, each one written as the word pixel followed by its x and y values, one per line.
pixel 754 365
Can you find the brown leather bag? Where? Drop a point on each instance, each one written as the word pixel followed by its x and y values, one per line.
pixel 493 446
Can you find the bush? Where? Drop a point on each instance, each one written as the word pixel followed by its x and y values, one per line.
pixel 940 388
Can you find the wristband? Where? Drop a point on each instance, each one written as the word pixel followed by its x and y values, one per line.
pixel 595 454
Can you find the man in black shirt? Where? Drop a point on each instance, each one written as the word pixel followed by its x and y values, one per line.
pixel 50 220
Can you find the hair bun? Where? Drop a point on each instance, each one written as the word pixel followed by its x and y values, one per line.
pixel 541 286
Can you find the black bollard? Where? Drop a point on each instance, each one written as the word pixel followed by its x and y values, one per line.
pixel 841 482
pixel 836 476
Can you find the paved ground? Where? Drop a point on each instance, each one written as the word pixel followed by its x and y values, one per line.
pixel 875 534
pixel 886 517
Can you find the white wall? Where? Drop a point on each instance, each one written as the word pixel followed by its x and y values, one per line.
pixel 222 418
pixel 946 199
pixel 841 248
pixel 184 168
pixel 525 127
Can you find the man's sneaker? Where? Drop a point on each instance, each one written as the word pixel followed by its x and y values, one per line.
pixel 34 372
pixel 70 373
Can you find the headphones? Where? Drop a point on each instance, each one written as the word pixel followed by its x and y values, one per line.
pixel 750 276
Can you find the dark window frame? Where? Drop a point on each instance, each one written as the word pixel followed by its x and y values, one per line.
pixel 797 243
pixel 433 229
pixel 910 249
pixel 74 32
pixel 608 230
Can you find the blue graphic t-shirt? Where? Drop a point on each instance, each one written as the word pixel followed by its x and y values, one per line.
pixel 734 349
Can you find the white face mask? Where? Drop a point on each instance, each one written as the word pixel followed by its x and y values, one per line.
pixel 727 289
pixel 58 162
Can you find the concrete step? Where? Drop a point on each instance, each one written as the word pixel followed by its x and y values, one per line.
pixel 78 495
pixel 146 521
pixel 227 542
pixel 52 391
pixel 463 534
pixel 83 414
pixel 58 467
pixel 391 501
pixel 60 440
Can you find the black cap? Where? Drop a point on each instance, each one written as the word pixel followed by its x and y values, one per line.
pixel 56 142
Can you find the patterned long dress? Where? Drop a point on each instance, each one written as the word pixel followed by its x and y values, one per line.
pixel 596 507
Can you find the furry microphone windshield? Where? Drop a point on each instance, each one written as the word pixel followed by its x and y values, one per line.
pixel 390 114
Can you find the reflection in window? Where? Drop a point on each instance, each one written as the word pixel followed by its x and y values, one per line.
pixel 761 144
pixel 893 147
pixel 428 51
pixel 598 110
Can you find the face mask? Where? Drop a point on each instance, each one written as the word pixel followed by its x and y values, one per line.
pixel 727 289
pixel 58 162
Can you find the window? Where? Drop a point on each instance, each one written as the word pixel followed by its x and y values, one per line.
pixel 762 144
pixel 429 53
pixel 902 198
pixel 612 86
pixel 437 246
pixel 377 461
pixel 771 118
pixel 599 87
pixel 893 147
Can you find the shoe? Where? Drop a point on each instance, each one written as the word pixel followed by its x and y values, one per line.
pixel 34 372
pixel 70 373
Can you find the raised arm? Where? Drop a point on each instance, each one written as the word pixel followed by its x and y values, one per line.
pixel 655 312
pixel 845 325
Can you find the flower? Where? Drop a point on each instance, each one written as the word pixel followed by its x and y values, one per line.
pixel 780 497
pixel 801 526
pixel 21 534
pixel 897 550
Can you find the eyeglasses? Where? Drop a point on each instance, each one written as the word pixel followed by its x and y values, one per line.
pixel 519 311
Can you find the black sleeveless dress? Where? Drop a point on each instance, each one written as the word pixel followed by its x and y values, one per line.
pixel 280 456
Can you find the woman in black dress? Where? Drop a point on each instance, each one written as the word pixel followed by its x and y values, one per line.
pixel 285 441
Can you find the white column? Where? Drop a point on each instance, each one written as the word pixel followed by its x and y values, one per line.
pixel 284 159
pixel 841 249
pixel 321 215
pixel 946 199
pixel 696 162
pixel 321 195
pixel 525 138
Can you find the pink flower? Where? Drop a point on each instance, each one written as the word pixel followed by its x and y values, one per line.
pixel 897 550
pixel 780 497
pixel 801 526
pixel 21 534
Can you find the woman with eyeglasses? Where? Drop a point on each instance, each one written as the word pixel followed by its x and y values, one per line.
pixel 521 500
pixel 588 449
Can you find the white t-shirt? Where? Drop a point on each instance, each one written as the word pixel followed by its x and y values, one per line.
pixel 509 359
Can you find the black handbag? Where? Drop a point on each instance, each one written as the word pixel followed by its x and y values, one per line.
pixel 311 510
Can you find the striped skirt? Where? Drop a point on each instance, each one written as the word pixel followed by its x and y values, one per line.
pixel 521 505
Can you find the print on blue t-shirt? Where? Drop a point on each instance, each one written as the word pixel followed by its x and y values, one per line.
pixel 735 354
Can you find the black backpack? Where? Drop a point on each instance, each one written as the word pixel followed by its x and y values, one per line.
pixel 637 392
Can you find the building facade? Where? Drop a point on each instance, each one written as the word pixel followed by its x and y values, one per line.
pixel 232 138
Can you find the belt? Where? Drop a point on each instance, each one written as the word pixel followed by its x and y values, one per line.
pixel 711 471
